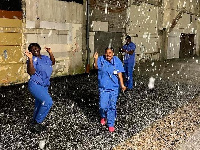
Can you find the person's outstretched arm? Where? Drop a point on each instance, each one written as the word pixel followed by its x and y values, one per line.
pixel 95 60
pixel 121 81
pixel 30 67
pixel 50 55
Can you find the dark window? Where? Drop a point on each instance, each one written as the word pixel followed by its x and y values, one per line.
pixel 11 5
pixel 77 1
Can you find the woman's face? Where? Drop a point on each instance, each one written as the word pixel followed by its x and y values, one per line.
pixel 35 51
pixel 128 41
pixel 109 54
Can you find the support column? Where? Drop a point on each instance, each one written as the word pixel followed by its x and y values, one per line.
pixel 91 42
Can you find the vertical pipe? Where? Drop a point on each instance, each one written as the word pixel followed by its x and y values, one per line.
pixel 87 37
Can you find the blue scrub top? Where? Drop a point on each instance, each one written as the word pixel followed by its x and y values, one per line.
pixel 107 72
pixel 43 70
pixel 129 58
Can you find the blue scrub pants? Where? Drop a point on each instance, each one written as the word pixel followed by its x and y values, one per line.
pixel 43 101
pixel 128 68
pixel 107 104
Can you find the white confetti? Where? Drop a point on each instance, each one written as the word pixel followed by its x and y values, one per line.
pixel 152 64
pixel 151 83
pixel 50 32
pixel 106 9
pixel 42 144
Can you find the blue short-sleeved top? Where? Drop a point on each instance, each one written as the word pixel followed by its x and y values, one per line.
pixel 129 58
pixel 43 70
pixel 107 72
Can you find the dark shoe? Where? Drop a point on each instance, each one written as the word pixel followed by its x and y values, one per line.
pixel 33 122
pixel 37 128
pixel 128 90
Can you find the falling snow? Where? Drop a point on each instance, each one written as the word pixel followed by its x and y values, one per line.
pixel 42 144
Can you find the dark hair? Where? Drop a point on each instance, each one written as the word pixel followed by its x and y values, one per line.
pixel 33 44
pixel 109 48
pixel 128 37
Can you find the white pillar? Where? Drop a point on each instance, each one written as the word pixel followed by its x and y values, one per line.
pixel 91 43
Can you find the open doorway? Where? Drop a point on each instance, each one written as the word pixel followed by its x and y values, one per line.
pixel 186 45
pixel 11 5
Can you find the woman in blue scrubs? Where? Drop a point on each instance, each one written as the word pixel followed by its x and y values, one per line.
pixel 39 67
pixel 110 79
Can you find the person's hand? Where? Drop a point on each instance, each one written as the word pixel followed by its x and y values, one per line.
pixel 28 54
pixel 48 49
pixel 123 50
pixel 123 88
pixel 96 55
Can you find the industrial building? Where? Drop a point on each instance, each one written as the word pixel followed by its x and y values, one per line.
pixel 75 29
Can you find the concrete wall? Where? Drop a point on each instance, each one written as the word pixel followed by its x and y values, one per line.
pixel 104 39
pixel 198 31
pixel 52 23
pixel 180 17
pixel 59 25
pixel 143 28
pixel 112 13
pixel 156 27
pixel 198 37
pixel 172 9
pixel 107 22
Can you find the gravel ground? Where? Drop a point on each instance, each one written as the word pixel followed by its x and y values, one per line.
pixel 192 143
pixel 178 130
pixel 74 122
